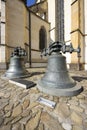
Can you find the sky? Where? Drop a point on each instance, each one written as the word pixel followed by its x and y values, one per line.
pixel 30 2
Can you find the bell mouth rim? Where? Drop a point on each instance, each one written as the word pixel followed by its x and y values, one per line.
pixel 6 77
pixel 75 90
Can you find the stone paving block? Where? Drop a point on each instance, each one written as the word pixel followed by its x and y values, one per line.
pixel 19 109
pixel 33 122
pixel 6 127
pixel 76 118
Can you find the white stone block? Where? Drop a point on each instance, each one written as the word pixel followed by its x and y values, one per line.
pixel 85 49
pixel 85 66
pixel 85 40
pixel 2 55
pixel 3 33
pixel 67 19
pixel 3 11
pixel 0 5
pixel 51 17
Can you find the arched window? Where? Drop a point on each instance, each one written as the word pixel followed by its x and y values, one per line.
pixel 42 38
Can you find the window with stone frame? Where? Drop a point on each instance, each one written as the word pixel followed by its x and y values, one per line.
pixel 42 38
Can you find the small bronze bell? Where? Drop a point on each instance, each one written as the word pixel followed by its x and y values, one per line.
pixel 16 67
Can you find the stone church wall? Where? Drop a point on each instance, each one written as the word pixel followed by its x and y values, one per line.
pixel 15 23
pixel 77 29
pixel 36 24
pixel 15 30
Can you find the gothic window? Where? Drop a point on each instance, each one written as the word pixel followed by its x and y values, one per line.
pixel 42 38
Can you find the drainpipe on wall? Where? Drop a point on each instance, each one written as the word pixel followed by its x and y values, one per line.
pixel 3 60
pixel 30 38
pixel 79 55
pixel 0 22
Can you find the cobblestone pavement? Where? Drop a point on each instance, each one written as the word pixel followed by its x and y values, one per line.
pixel 19 109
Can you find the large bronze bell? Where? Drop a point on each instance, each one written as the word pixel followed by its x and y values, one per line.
pixel 56 81
pixel 16 68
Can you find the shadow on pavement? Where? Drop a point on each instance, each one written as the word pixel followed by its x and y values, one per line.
pixel 79 78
